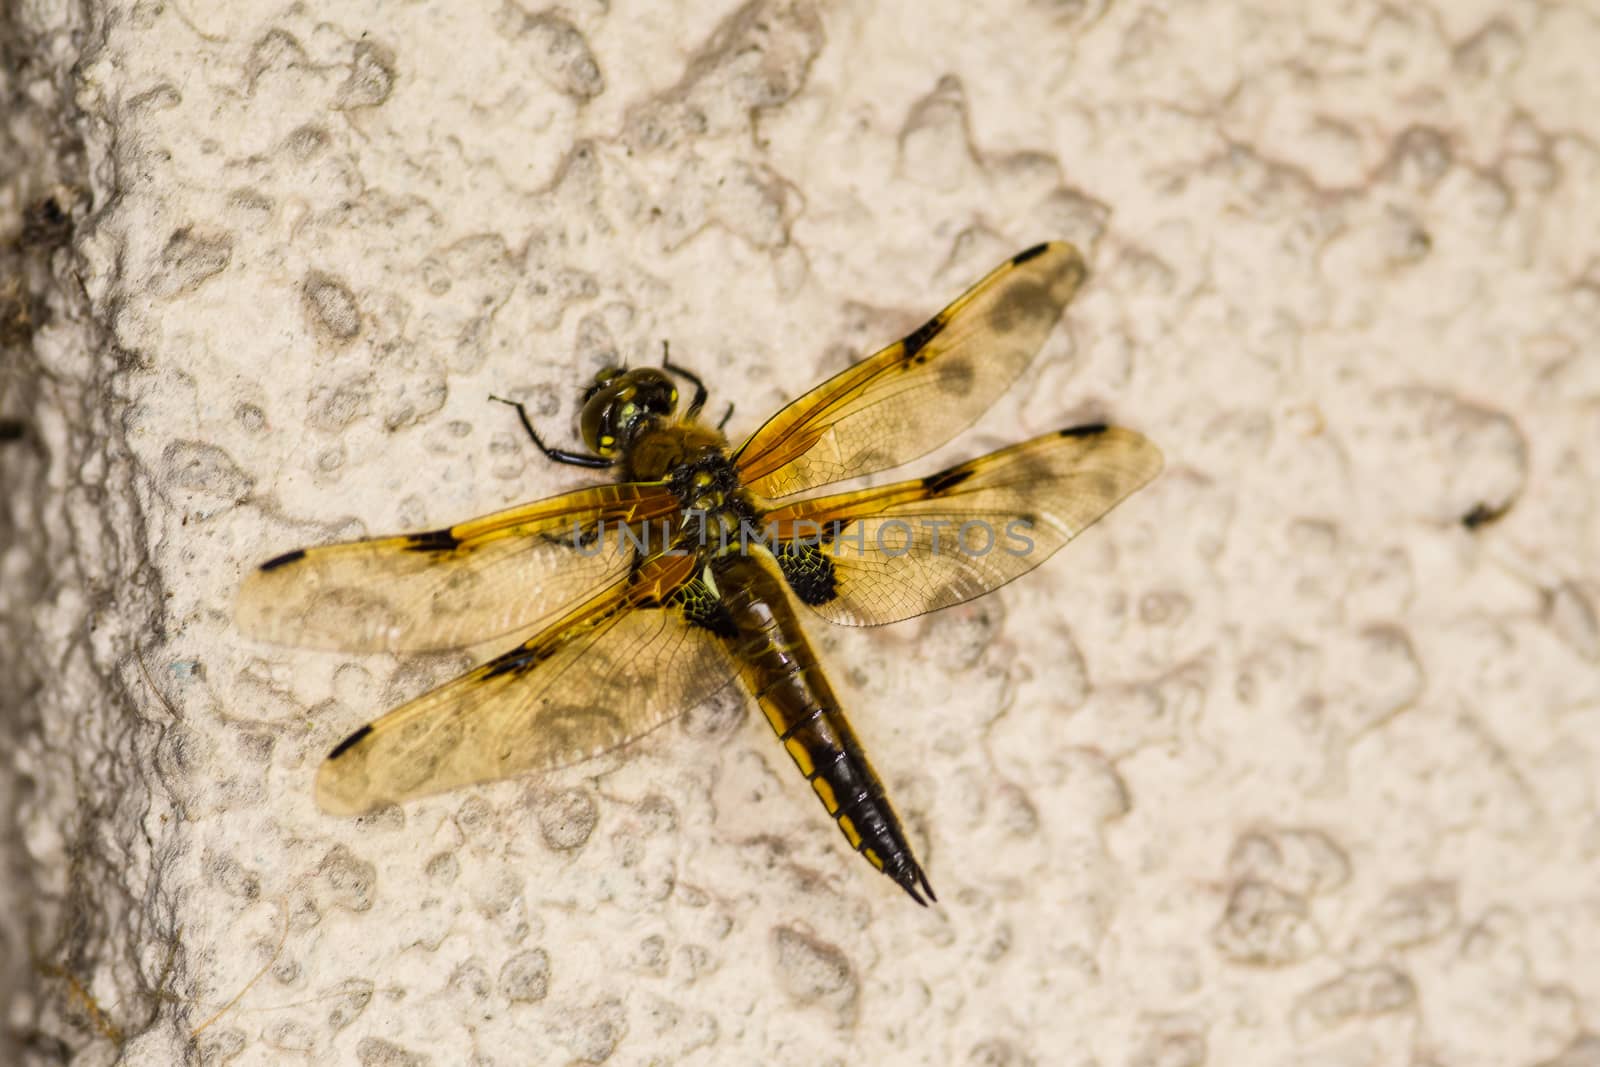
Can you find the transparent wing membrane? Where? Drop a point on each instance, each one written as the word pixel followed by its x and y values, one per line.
pixel 454 587
pixel 921 391
pixel 613 669
pixel 904 549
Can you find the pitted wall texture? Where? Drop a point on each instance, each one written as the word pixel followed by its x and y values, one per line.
pixel 1291 760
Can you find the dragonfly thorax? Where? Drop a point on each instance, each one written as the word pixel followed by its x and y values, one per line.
pixel 707 487
pixel 704 494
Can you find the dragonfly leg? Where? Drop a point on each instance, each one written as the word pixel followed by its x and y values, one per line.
pixel 555 455
pixel 699 400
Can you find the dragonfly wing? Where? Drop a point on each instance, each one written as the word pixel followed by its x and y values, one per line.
pixel 881 555
pixel 921 391
pixel 613 669
pixel 457 586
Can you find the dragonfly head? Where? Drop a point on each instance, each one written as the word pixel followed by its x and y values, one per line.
pixel 619 402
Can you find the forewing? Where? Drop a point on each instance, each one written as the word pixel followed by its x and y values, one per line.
pixel 457 586
pixel 615 668
pixel 885 554
pixel 918 393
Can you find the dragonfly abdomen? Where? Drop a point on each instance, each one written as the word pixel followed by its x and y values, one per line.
pixel 781 670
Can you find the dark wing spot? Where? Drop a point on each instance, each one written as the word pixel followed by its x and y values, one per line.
pixel 944 481
pixel 579 537
pixel 957 376
pixel 349 742
pixel 284 560
pixel 1022 303
pixel 1022 257
pixel 517 661
pixel 717 620
pixel 703 608
pixel 919 338
pixel 809 572
pixel 433 541
pixel 1093 429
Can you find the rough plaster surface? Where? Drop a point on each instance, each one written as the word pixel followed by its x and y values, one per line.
pixel 1282 764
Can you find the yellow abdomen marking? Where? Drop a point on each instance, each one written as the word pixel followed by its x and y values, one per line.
pixel 801 757
pixel 775 717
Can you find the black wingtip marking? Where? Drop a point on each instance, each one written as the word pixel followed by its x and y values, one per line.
pixel 918 339
pixel 1018 260
pixel 349 742
pixel 433 541
pixel 284 560
pixel 944 481
pixel 1093 429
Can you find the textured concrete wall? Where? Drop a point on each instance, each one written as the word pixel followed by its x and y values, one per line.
pixel 1293 760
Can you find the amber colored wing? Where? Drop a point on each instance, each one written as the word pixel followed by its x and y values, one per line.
pixel 885 554
pixel 611 670
pixel 453 587
pixel 918 393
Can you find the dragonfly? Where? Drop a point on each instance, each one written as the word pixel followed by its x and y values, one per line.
pixel 621 605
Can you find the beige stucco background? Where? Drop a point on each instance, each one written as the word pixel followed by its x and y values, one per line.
pixel 1284 763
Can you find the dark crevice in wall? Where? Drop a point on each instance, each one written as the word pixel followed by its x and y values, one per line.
pixel 82 910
